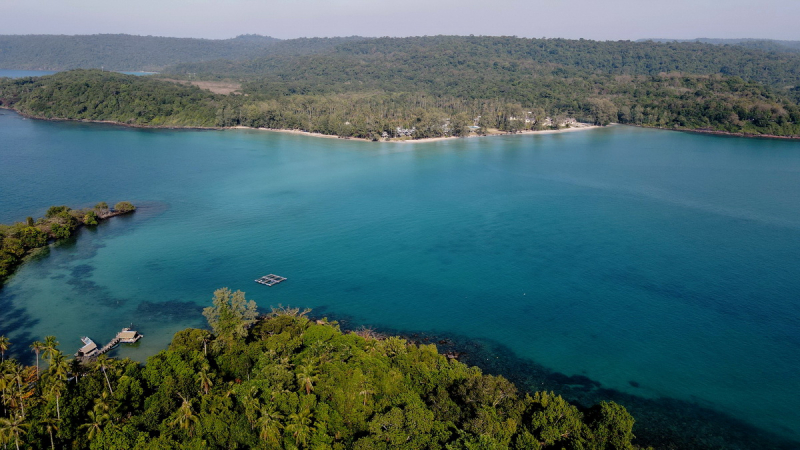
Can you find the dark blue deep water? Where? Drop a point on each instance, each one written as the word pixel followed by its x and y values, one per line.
pixel 659 264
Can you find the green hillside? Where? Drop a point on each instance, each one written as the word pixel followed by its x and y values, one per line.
pixel 441 85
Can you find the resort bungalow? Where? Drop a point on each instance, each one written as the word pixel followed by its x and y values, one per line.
pixel 88 350
pixel 405 132
pixel 128 336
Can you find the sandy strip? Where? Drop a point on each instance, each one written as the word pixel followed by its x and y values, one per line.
pixel 580 127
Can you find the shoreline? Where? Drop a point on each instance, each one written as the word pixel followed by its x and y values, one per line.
pixel 581 127
pixel 100 216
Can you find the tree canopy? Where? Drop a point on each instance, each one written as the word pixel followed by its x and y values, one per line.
pixel 289 382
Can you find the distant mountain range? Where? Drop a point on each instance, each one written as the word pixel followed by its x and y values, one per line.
pixel 153 53
pixel 770 45
pixel 141 53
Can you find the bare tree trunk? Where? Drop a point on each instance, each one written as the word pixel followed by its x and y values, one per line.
pixel 106 375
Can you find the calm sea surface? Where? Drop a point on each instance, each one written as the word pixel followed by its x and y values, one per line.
pixel 659 264
pixel 38 73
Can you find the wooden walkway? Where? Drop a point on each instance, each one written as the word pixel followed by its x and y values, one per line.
pixel 90 351
pixel 270 280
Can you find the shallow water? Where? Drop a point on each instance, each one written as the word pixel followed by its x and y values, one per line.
pixel 660 264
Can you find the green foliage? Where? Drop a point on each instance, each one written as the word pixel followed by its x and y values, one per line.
pixel 327 390
pixel 17 240
pixel 124 207
pixel 230 316
pixel 441 85
pixel 55 211
pixel 612 426
pixel 110 96
pixel 90 218
pixel 32 237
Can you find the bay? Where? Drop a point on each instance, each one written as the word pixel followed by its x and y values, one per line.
pixel 659 264
pixel 11 73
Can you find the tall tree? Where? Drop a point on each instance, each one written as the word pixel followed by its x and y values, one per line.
pixel 300 426
pixel 230 316
pixel 50 348
pixel 185 418
pixel 97 420
pixel 102 362
pixel 269 425
pixel 14 427
pixel 51 424
pixel 205 378
pixel 37 347
pixel 58 369
pixel 5 344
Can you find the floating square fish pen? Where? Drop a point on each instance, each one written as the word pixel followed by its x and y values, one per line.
pixel 270 280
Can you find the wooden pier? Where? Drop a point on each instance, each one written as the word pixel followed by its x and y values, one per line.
pixel 89 351
pixel 270 280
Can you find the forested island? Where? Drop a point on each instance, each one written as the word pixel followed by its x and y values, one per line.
pixel 284 381
pixel 443 86
pixel 59 222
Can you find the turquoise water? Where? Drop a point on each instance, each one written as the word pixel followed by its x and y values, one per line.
pixel 38 73
pixel 24 73
pixel 633 257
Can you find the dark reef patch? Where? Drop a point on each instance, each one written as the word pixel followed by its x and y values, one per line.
pixel 16 321
pixel 169 311
pixel 82 271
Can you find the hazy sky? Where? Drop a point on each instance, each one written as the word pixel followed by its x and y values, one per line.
pixel 590 19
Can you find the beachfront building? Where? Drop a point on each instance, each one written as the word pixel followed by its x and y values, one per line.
pixel 405 132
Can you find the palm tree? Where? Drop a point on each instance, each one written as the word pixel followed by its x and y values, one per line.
pixel 58 370
pixel 205 379
pixel 102 363
pixel 97 420
pixel 186 418
pixel 37 347
pixel 103 404
pixel 56 388
pixel 366 392
pixel 4 346
pixel 206 338
pixel 252 404
pixel 59 367
pixel 306 376
pixel 18 376
pixel 13 428
pixel 76 368
pixel 300 426
pixel 269 425
pixel 5 390
pixel 50 347
pixel 51 425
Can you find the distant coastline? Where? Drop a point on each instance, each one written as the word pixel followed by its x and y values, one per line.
pixel 579 127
